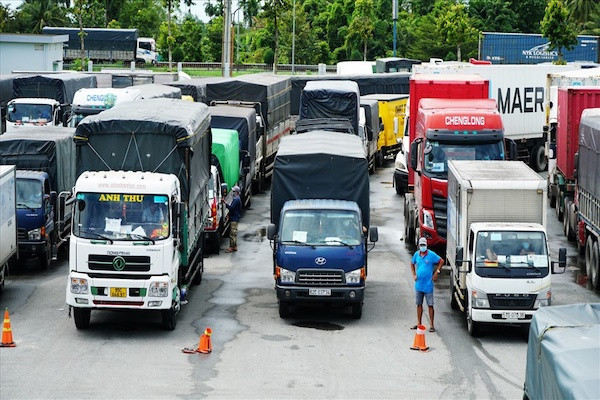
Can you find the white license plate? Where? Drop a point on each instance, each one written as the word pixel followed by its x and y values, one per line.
pixel 513 315
pixel 319 292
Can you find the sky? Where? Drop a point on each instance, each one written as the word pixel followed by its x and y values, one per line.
pixel 197 9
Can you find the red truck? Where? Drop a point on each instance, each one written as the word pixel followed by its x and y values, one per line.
pixel 453 118
pixel 561 180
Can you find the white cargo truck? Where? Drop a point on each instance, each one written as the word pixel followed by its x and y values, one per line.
pixel 92 101
pixel 521 95
pixel 8 219
pixel 497 243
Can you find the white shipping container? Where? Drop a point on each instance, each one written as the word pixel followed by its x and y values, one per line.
pixel 578 77
pixel 8 218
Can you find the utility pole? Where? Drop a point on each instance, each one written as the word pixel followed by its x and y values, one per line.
pixel 395 18
pixel 226 56
pixel 293 36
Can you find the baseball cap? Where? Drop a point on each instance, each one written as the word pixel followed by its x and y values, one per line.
pixel 236 189
pixel 422 241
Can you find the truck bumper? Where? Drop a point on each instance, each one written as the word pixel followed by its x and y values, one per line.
pixel 31 249
pixel 136 293
pixel 401 180
pixel 391 150
pixel 300 294
pixel 502 316
pixel 433 239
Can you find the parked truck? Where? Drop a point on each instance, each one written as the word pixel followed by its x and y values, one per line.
pixel 140 208
pixel 6 95
pixel 41 100
pixel 44 159
pixel 443 129
pixel 270 96
pixel 93 101
pixel 529 48
pixel 521 94
pixel 562 179
pixel 588 193
pixel 500 268
pixel 320 220
pixel 8 220
pixel 373 126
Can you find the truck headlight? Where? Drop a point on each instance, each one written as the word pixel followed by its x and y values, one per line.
pixel 354 277
pixel 79 286
pixel 427 219
pixel 35 234
pixel 158 289
pixel 479 299
pixel 399 165
pixel 286 276
pixel 543 299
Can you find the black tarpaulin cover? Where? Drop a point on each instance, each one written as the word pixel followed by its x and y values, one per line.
pixel 6 88
pixel 196 87
pixel 320 165
pixel 342 125
pixel 98 38
pixel 156 90
pixel 241 119
pixel 157 135
pixel 392 83
pixel 563 353
pixel 371 107
pixel 60 87
pixel 331 99
pixel 589 151
pixel 49 149
pixel 271 91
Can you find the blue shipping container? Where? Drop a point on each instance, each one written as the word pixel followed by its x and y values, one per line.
pixel 525 48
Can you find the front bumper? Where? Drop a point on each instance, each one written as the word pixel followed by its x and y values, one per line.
pixel 31 249
pixel 137 293
pixel 391 150
pixel 401 180
pixel 433 239
pixel 299 294
pixel 495 316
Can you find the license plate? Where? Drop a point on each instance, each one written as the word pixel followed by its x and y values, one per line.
pixel 513 315
pixel 118 292
pixel 319 292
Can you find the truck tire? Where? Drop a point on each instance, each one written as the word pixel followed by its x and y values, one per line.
pixel 169 319
pixel 284 309
pixel 552 195
pixel 539 161
pixel 81 316
pixel 3 277
pixel 559 206
pixel 453 302
pixel 594 261
pixel 46 257
pixel 588 256
pixel 473 327
pixel 215 243
pixel 568 219
pixel 357 310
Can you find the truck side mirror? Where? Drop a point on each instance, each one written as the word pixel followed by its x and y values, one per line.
pixel 177 210
pixel 576 166
pixel 373 234
pixel 245 162
pixel 369 133
pixel 53 196
pixel 224 189
pixel 459 257
pixel 511 149
pixel 414 155
pixel 562 261
pixel 381 126
pixel 271 232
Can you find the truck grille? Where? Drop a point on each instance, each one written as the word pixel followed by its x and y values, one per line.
pixel 440 207
pixel 21 234
pixel 101 262
pixel 511 302
pixel 320 277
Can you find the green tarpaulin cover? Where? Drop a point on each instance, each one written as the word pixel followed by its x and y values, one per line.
pixel 226 147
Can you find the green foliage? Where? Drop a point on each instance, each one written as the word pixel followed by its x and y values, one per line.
pixel 268 56
pixel 32 16
pixel 592 26
pixel 493 16
pixel 145 15
pixel 361 26
pixel 580 11
pixel 455 26
pixel 529 14
pixel 556 27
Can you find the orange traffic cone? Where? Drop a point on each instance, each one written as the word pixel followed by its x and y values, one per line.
pixel 7 339
pixel 205 345
pixel 419 343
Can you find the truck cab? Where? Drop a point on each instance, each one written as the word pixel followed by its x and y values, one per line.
pixel 32 112
pixel 218 222
pixel 91 101
pixel 320 254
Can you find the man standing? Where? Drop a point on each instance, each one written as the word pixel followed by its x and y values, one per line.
pixel 425 266
pixel 235 212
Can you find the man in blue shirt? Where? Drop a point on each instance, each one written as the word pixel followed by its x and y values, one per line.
pixel 425 266
pixel 235 213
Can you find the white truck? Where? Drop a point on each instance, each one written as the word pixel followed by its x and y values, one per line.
pixel 95 100
pixel 521 95
pixel 8 219
pixel 500 268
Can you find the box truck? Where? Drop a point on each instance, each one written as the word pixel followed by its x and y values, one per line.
pixel 8 220
pixel 500 268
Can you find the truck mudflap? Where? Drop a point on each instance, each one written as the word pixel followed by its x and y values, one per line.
pixel 84 291
pixel 502 316
pixel 305 294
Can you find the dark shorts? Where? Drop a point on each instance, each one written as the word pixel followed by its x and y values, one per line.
pixel 428 297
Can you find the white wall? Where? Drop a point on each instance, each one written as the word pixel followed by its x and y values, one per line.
pixel 30 56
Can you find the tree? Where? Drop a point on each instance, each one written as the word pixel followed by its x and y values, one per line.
pixel 272 10
pixel 529 13
pixel 592 27
pixel 455 26
pixel 362 23
pixel 493 15
pixel 144 15
pixel 557 29
pixel 580 11
pixel 78 10
pixel 34 15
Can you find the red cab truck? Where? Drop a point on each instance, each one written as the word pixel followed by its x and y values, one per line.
pixel 572 101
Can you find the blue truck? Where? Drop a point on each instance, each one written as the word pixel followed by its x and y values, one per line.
pixel 45 161
pixel 320 221
pixel 528 48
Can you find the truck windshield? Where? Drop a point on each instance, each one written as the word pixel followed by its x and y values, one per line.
pixel 29 113
pixel 437 154
pixel 121 216
pixel 321 227
pixel 511 253
pixel 29 194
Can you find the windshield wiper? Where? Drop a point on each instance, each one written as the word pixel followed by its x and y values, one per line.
pixel 143 237
pixel 26 206
pixel 298 242
pixel 340 241
pixel 97 235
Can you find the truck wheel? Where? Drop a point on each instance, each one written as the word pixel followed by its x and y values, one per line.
pixel 568 217
pixel 3 277
pixel 215 243
pixel 552 195
pixel 81 316
pixel 594 261
pixel 285 309
pixel 559 206
pixel 357 310
pixel 453 302
pixel 472 327
pixel 198 277
pixel 169 319
pixel 46 257
pixel 588 256
pixel 539 161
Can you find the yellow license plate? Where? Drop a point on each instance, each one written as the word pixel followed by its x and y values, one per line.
pixel 118 292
